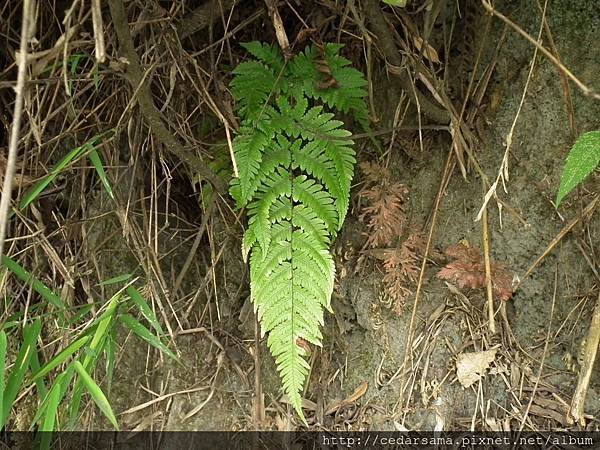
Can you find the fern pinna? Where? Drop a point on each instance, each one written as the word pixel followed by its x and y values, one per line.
pixel 295 164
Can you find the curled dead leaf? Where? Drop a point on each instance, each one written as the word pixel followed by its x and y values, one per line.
pixel 429 52
pixel 471 367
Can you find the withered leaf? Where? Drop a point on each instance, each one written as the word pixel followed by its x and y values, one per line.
pixel 468 271
pixel 471 367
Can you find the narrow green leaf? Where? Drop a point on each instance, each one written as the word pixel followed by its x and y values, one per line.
pixel 96 78
pixel 96 393
pixel 34 364
pixel 62 356
pixel 102 331
pixel 10 324
pixel 15 380
pixel 97 163
pixel 36 284
pixel 39 187
pixel 69 158
pixel 92 353
pixel 75 62
pixel 145 309
pixel 3 345
pixel 400 3
pixel 145 334
pixel 110 351
pixel 583 158
pixel 115 280
pixel 51 410
pixel 79 313
pixel 43 439
pixel 61 384
pixel 47 427
pixel 48 69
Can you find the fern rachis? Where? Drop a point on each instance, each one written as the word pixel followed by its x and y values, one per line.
pixel 295 164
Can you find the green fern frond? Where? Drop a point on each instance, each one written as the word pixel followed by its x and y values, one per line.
pixel 249 147
pixel 295 164
pixel 312 194
pixel 328 156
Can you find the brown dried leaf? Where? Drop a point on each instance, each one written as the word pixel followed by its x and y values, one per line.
pixel 429 52
pixel 358 393
pixel 471 367
pixel 468 271
pixel 374 173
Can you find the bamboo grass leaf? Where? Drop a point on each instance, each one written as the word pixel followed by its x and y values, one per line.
pixel 36 284
pixel 110 352
pixel 115 280
pixel 3 345
pixel 66 161
pixel 93 351
pixel 97 163
pixel 51 410
pixel 61 357
pixel 145 334
pixel 96 394
pixel 60 385
pixel 145 309
pixel 17 375
pixel 34 364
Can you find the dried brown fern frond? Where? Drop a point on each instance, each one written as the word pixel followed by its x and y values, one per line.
pixel 468 271
pixel 385 212
pixel 401 267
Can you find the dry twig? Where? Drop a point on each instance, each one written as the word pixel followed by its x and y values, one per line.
pixel 26 29
pixel 585 89
pixel 576 413
pixel 503 174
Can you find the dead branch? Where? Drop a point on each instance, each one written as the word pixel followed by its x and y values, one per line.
pixel 282 38
pixel 149 110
